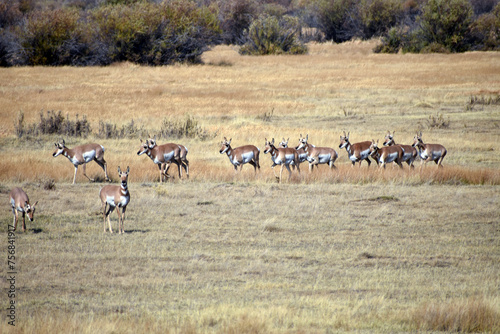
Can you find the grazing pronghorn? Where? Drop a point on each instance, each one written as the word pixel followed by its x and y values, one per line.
pixel 161 156
pixel 317 155
pixel 240 155
pixel 20 202
pixel 410 152
pixel 387 154
pixel 282 156
pixel 358 151
pixel 429 152
pixel 80 155
pixel 184 163
pixel 116 197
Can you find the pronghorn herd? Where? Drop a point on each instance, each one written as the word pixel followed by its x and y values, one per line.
pixel 118 197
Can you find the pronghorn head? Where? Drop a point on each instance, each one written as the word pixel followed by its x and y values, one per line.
pixel 151 142
pixel 284 143
pixel 225 145
pixel 30 209
pixel 59 148
pixel 302 142
pixel 123 175
pixel 389 139
pixel 269 146
pixel 143 148
pixel 374 148
pixel 344 140
pixel 417 140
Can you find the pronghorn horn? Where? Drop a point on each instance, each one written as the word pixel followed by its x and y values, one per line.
pixel 307 137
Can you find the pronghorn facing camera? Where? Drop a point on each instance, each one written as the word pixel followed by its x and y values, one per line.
pixel 181 161
pixel 386 154
pixel 357 152
pixel 241 155
pixel 80 155
pixel 20 202
pixel 317 155
pixel 282 156
pixel 409 152
pixel 429 152
pixel 116 197
pixel 301 152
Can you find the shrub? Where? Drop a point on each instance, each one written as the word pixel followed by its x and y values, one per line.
pixel 188 128
pixel 446 22
pixel 235 17
pixel 378 16
pixel 269 35
pixel 130 130
pixel 485 31
pixel 52 123
pixel 338 19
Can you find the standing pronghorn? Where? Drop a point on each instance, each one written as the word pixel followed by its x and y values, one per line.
pixel 20 202
pixel 409 152
pixel 184 163
pixel 317 155
pixel 358 151
pixel 116 197
pixel 282 156
pixel 80 155
pixel 301 152
pixel 387 154
pixel 429 152
pixel 241 155
pixel 162 155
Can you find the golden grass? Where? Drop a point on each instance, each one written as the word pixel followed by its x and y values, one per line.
pixel 345 250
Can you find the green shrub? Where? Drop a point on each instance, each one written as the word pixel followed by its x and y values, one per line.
pixel 270 35
pixel 485 31
pixel 446 22
pixel 338 19
pixel 378 16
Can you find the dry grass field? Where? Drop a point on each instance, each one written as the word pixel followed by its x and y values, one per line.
pixel 345 250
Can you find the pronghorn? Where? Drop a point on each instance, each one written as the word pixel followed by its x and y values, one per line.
pixel 241 155
pixel 80 155
pixel 429 152
pixel 410 152
pixel 184 163
pixel 317 155
pixel 20 202
pixel 387 154
pixel 162 155
pixel 358 151
pixel 301 152
pixel 282 156
pixel 116 197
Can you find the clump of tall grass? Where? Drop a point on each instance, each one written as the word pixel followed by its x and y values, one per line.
pixel 187 128
pixel 129 130
pixel 472 315
pixel 52 122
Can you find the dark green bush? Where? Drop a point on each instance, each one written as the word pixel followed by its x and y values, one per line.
pixel 235 17
pixel 378 16
pixel 485 31
pixel 446 22
pixel 270 35
pixel 338 19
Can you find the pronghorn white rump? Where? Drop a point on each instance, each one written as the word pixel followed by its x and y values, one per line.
pixel 429 152
pixel 386 154
pixel 116 197
pixel 240 155
pixel 282 156
pixel 357 152
pixel 81 155
pixel 20 203
pixel 317 155
pixel 409 152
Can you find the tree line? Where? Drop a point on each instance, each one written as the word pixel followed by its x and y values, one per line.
pixel 100 32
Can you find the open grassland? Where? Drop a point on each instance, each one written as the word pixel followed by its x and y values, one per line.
pixel 333 251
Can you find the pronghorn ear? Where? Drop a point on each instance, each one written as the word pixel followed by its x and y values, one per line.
pixel 63 142
pixel 35 204
pixel 272 143
pixel 307 137
pixel 26 203
pixel 119 170
pixel 128 169
pixel 229 142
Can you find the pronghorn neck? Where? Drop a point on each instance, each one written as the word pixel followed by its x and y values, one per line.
pixel 348 148
pixel 229 151
pixel 68 153
pixel 124 188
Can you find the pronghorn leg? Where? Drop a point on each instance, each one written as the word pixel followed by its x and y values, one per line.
pixel 123 219
pixel 251 162
pixel 186 167
pixel 274 172
pixel 161 172
pixel 74 176
pixel 24 222
pixel 110 210
pixel 281 172
pixel 14 211
pixel 119 220
pixel 103 165
pixel 85 172
pixel 103 208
